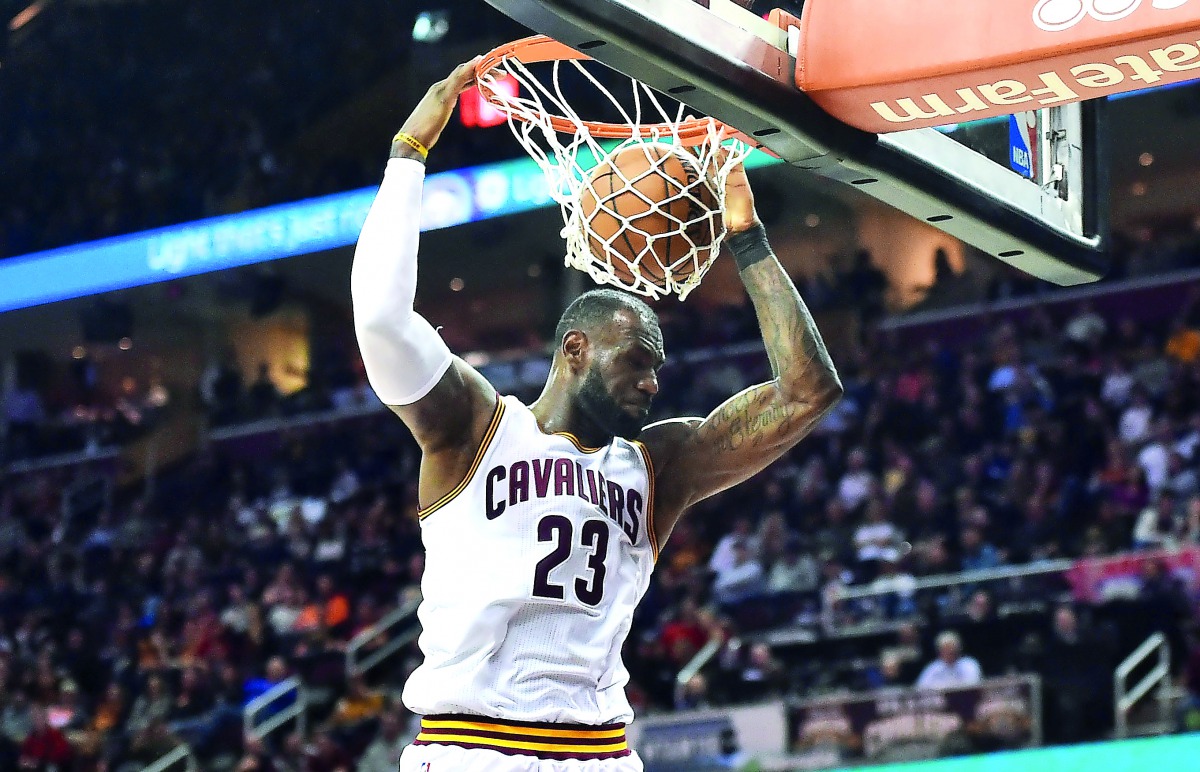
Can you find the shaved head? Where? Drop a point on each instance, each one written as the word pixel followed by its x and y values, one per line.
pixel 595 308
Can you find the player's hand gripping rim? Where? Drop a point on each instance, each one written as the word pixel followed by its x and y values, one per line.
pixel 738 212
pixel 429 118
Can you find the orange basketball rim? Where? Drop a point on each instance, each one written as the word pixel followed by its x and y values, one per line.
pixel 539 48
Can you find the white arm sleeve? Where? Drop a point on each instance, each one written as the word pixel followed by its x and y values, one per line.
pixel 403 355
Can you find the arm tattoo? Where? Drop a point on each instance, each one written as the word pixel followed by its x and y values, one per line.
pixel 799 360
pixel 749 419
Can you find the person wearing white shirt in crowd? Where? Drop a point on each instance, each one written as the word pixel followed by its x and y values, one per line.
pixel 1153 456
pixel 951 668
pixel 723 558
pixel 1087 327
pixel 1118 384
pixel 1156 527
pixel 743 579
pixel 795 571
pixel 877 538
pixel 1134 424
pixel 858 482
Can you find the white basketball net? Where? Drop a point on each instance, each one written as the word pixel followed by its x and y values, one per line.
pixel 567 159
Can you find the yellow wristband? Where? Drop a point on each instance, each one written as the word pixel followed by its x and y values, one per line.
pixel 412 142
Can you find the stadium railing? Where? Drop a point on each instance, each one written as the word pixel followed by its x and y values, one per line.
pixel 278 715
pixel 181 754
pixel 1126 697
pixel 360 658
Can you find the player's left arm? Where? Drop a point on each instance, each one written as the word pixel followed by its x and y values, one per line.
pixel 695 458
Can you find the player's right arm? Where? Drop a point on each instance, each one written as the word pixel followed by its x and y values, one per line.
pixel 445 402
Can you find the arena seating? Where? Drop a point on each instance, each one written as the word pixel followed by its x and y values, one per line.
pixel 137 622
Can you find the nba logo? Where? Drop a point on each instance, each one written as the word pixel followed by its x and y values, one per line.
pixel 426 766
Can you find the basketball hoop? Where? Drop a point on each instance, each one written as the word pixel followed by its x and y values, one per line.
pixel 567 146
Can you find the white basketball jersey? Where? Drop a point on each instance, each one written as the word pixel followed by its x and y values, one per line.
pixel 534 565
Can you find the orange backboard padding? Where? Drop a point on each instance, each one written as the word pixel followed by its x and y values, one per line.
pixel 892 65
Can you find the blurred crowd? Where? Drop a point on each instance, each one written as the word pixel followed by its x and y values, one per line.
pixel 103 102
pixel 126 116
pixel 125 630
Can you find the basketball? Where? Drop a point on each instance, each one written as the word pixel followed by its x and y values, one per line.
pixel 650 206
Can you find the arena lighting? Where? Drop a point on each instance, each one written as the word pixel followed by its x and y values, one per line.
pixel 24 17
pixel 431 26
pixel 475 112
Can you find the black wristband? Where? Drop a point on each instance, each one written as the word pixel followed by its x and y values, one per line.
pixel 749 246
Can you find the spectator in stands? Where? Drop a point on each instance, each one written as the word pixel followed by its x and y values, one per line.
pixel 325 754
pixel 45 747
pixel 977 554
pixel 866 287
pixel 795 571
pixel 857 483
pixel 693 695
pixel 192 702
pixel 153 704
pixel 1183 345
pixel 723 555
pixel 105 722
pixel 745 578
pixel 1087 328
pixel 684 635
pixel 877 539
pixel 23 414
pixel 772 538
pixel 1153 458
pixel 330 610
pixel 357 707
pixel 889 673
pixel 1117 387
pixel 762 676
pixel 16 715
pixel 835 536
pixel 345 483
pixel 256 758
pixel 952 667
pixel 227 390
pixel 276 673
pixel 383 754
pixel 264 396
pixel 1156 526
pixel 1134 424
pixel 1181 480
pixel 1192 520
pixel 1076 680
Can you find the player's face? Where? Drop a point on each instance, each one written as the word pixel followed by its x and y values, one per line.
pixel 622 380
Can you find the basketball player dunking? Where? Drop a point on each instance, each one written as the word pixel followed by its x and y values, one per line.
pixel 541 523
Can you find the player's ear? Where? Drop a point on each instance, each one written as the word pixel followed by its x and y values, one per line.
pixel 575 349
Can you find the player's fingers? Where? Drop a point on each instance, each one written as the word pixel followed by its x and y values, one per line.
pixel 463 76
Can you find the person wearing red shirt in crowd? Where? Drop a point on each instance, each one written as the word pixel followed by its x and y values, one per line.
pixel 683 636
pixel 45 748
